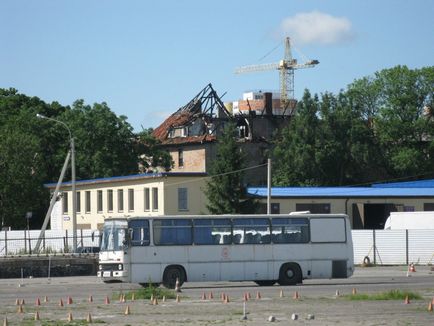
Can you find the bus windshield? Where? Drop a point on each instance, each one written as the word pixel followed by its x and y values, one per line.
pixel 114 235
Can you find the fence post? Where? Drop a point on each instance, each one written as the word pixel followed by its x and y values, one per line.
pixel 65 246
pixel 6 243
pixel 30 244
pixel 81 237
pixel 406 247
pixel 374 247
pixel 25 242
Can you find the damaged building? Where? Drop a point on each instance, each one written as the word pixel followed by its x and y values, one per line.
pixel 191 133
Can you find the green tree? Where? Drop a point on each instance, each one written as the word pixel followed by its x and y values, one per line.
pixel 225 191
pixel 152 156
pixel 294 154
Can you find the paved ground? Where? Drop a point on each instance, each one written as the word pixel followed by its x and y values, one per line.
pixel 317 298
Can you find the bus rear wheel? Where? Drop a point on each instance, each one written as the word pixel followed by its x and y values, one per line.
pixel 290 274
pixel 171 274
pixel 265 283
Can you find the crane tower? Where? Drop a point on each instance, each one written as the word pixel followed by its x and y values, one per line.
pixel 286 68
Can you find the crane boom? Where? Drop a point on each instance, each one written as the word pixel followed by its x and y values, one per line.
pixel 286 68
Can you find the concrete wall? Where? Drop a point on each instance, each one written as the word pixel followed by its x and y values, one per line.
pixel 48 266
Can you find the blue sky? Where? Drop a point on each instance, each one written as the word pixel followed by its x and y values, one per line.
pixel 148 58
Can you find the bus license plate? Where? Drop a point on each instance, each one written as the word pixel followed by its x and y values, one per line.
pixel 107 274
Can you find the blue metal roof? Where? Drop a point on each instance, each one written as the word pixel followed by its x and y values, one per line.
pixel 130 177
pixel 341 192
pixel 429 183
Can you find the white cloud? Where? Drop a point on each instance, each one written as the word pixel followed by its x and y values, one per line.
pixel 317 28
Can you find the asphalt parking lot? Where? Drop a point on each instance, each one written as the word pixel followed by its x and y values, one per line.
pixel 317 304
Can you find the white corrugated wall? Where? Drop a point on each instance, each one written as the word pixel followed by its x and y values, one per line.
pixel 421 246
pixel 392 248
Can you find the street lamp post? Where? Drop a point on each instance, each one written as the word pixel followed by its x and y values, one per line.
pixel 74 192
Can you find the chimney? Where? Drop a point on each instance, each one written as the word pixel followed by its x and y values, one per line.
pixel 268 103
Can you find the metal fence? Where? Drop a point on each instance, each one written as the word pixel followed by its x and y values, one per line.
pixel 394 247
pixel 382 247
pixel 55 241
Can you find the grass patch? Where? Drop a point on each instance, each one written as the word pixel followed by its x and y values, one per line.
pixel 147 293
pixel 388 295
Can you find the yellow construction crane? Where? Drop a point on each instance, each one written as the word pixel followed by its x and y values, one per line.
pixel 286 68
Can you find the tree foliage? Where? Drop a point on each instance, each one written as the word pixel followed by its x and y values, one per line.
pixel 32 150
pixel 380 128
pixel 225 191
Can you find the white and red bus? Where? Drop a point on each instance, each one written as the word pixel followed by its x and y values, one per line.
pixel 262 248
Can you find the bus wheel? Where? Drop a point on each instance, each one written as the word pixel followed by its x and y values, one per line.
pixel 265 283
pixel 171 274
pixel 290 274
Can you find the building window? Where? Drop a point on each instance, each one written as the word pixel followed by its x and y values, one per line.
pixel 65 202
pixel 154 199
pixel 180 157
pixel 313 208
pixel 130 200
pixel 78 202
pixel 87 201
pixel 147 202
pixel 99 201
pixel 120 200
pixel 110 200
pixel 428 206
pixel 182 199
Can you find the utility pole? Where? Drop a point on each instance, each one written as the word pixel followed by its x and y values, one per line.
pixel 269 186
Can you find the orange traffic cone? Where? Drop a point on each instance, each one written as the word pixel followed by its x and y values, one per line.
pixel 133 297
pixel 70 317
pixel 107 300
pixel 45 299
pixel 430 306
pixel 412 268
pixel 22 302
pixel 89 318
pixel 60 302
pixel 203 296
pixel 258 295
pixel 20 309
pixel 121 296
pixel 127 310
pixel 407 300
pixel 5 322
pixel 37 302
pixel 245 298
pixel 178 299
pixel 17 302
pixel 69 300
pixel 210 296
pixel 37 315
pixel 354 291
pixel 90 299
pixel 164 298
pixel 337 293
pixel 155 302
pixel 296 295
pixel 281 294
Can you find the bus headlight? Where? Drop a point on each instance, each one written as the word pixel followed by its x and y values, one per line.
pixel 120 266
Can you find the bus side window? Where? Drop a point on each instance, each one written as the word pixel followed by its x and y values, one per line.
pixel 290 230
pixel 140 232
